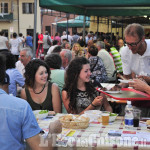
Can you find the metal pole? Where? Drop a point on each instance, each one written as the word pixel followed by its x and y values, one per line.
pixel 111 31
pixel 67 25
pixel 42 21
pixel 97 25
pixel 84 28
pixel 116 26
pixel 108 25
pixel 56 28
pixel 35 22
pixel 18 17
pixel 122 30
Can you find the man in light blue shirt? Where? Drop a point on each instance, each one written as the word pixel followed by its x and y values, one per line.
pixel 17 122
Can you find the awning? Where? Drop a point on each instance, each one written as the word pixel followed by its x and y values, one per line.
pixel 77 22
pixel 100 7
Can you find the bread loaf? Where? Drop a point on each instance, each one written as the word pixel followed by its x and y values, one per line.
pixel 148 122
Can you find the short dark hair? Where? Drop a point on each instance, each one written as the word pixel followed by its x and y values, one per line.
pixel 10 60
pixel 53 61
pixel 20 34
pixel 55 42
pixel 57 49
pixel 14 34
pixel 93 50
pixel 56 34
pixel 31 69
pixel 2 69
pixel 65 40
pixel 2 33
pixel 107 47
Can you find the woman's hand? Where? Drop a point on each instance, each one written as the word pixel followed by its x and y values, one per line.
pixel 97 101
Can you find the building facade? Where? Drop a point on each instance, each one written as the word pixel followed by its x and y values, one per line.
pixel 18 16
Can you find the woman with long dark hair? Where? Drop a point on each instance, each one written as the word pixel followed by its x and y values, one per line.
pixel 78 94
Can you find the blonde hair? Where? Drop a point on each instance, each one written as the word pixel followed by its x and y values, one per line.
pixel 78 53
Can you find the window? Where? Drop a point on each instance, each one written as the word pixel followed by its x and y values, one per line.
pixel 28 8
pixel 4 7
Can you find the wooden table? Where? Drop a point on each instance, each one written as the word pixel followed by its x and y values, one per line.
pixel 96 137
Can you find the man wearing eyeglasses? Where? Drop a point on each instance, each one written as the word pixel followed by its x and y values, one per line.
pixel 136 53
pixel 136 60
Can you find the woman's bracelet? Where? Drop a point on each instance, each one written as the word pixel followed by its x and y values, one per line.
pixel 93 105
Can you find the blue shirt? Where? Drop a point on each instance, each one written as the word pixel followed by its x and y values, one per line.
pixel 15 78
pixel 29 41
pixel 17 122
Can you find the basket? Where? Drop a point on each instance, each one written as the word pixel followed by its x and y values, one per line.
pixel 74 124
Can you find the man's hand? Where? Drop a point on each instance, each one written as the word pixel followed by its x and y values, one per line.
pixel 138 84
pixel 144 78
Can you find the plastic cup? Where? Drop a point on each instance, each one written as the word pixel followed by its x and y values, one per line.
pixel 136 117
pixel 105 118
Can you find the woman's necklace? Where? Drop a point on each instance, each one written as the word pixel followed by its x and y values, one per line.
pixel 40 91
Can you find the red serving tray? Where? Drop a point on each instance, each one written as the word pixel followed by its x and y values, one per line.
pixel 127 94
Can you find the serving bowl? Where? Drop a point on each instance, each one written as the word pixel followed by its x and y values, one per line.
pixel 112 117
pixel 40 114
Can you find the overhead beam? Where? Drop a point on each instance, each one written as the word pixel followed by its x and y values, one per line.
pixel 110 8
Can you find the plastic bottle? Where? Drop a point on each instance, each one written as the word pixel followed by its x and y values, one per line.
pixel 128 119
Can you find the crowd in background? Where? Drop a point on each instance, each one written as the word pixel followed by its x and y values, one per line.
pixel 103 51
pixel 58 53
pixel 65 73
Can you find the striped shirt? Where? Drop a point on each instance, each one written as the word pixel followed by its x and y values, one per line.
pixel 117 59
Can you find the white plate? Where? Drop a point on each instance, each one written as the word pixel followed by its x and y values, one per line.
pixel 125 81
pixel 113 92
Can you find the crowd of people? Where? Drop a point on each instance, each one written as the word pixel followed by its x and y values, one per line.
pixel 64 76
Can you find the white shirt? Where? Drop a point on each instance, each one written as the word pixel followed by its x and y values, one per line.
pixel 14 46
pixel 45 45
pixel 70 39
pixel 108 62
pixel 120 50
pixel 136 63
pixel 51 49
pixel 20 67
pixel 3 41
pixel 20 39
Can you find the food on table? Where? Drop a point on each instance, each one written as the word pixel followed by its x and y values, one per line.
pixel 74 121
pixel 43 111
pixel 113 114
pixel 71 117
pixel 40 114
pixel 148 122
